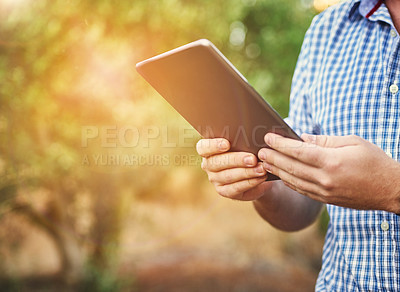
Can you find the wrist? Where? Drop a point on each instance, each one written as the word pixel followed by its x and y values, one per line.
pixel 268 200
pixel 286 209
pixel 277 199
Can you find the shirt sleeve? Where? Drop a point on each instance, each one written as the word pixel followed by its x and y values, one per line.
pixel 300 113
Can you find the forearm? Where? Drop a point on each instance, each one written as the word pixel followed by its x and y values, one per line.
pixel 286 209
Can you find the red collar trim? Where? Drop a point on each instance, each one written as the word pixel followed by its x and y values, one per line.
pixel 375 8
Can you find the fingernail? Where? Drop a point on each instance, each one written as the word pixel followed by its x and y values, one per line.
pixel 262 155
pixel 248 160
pixel 312 139
pixel 223 145
pixel 267 166
pixel 268 140
pixel 260 169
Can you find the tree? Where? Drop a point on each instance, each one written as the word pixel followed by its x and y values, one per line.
pixel 68 67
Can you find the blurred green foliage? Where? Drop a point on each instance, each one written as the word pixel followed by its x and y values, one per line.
pixel 69 64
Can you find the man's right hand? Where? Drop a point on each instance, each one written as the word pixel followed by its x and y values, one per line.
pixel 235 175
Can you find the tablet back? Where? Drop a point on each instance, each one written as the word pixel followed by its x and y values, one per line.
pixel 207 90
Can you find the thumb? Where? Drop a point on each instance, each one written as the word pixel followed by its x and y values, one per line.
pixel 330 141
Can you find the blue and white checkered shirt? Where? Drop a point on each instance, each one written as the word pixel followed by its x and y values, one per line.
pixel 347 82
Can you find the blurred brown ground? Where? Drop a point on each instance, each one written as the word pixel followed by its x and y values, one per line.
pixel 222 246
pixel 215 245
pixel 198 273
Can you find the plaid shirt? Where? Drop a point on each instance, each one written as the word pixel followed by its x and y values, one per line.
pixel 347 82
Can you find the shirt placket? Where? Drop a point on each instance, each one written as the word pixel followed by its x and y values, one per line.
pixel 393 88
pixel 388 139
pixel 394 91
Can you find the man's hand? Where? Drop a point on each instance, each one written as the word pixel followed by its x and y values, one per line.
pixel 345 171
pixel 239 176
pixel 236 175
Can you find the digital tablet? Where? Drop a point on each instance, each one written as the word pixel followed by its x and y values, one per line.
pixel 212 95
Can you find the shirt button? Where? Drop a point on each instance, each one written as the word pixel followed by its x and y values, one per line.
pixel 384 225
pixel 388 153
pixel 393 88
pixel 393 33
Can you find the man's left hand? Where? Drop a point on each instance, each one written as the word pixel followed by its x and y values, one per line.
pixel 346 171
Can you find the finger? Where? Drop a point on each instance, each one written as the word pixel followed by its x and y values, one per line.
pixel 305 152
pixel 208 147
pixel 237 190
pixel 331 141
pixel 233 175
pixel 308 138
pixel 272 158
pixel 300 185
pixel 256 192
pixel 309 194
pixel 229 160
